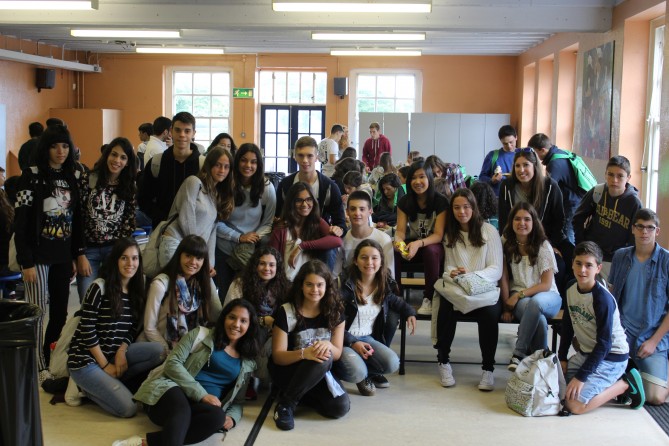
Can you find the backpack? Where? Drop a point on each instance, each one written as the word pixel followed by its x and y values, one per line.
pixel 323 151
pixel 584 177
pixel 493 161
pixel 537 387
pixel 150 262
pixel 156 161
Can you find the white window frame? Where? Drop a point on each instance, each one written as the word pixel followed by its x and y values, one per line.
pixel 286 102
pixel 650 161
pixel 169 98
pixel 353 98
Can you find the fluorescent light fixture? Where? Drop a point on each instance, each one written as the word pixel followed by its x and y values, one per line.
pixel 372 52
pixel 178 50
pixel 421 6
pixel 379 37
pixel 127 33
pixel 72 5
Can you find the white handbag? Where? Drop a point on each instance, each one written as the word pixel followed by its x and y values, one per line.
pixel 463 302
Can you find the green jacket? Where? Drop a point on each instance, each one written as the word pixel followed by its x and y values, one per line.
pixel 180 369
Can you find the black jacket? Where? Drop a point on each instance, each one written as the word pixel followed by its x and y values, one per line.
pixel 332 209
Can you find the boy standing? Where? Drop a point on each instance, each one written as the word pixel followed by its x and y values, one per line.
pixel 605 213
pixel 640 282
pixel 594 372
pixel 375 145
pixel 328 150
pixel 498 163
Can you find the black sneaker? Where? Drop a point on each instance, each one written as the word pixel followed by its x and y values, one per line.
pixel 635 391
pixel 283 417
pixel 380 381
pixel 366 387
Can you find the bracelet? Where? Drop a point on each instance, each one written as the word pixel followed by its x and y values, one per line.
pixel 302 353
pixel 105 365
pixel 422 241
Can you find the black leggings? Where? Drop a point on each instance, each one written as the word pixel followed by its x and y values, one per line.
pixel 183 421
pixel 487 319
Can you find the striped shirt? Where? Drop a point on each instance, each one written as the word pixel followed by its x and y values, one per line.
pixel 97 327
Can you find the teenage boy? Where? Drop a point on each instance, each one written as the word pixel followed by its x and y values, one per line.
pixel 145 131
pixel 166 171
pixel 375 145
pixel 158 142
pixel 324 189
pixel 359 210
pixel 640 282
pixel 605 213
pixel 328 150
pixel 594 373
pixel 498 163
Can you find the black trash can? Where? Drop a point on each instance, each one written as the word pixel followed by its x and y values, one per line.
pixel 20 421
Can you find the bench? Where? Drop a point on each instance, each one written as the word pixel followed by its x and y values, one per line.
pixel 414 283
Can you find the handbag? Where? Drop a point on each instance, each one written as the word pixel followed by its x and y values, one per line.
pixel 474 284
pixel 537 386
pixel 463 302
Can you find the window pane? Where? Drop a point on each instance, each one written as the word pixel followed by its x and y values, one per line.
pixel 283 165
pixel 385 87
pixel 220 83
pixel 220 106
pixel 279 87
pixel 320 88
pixel 270 164
pixel 307 88
pixel 183 103
pixel 202 83
pixel 404 105
pixel 284 119
pixel 316 122
pixel 303 121
pixel 282 145
pixel 270 121
pixel 293 87
pixel 218 126
pixel 270 145
pixel 406 87
pixel 202 132
pixel 266 86
pixel 366 86
pixel 183 83
pixel 385 105
pixel 366 105
pixel 202 105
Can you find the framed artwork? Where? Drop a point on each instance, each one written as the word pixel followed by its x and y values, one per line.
pixel 596 102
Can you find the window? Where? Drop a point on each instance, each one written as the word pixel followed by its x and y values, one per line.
pixel 385 92
pixel 292 87
pixel 205 93
pixel 651 152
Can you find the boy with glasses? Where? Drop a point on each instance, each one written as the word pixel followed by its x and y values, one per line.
pixel 605 213
pixel 640 283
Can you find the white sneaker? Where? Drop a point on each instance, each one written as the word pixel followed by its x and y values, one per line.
pixel 487 381
pixel 73 395
pixel 135 440
pixel 446 375
pixel 426 308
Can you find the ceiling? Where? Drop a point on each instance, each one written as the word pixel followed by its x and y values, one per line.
pixel 468 27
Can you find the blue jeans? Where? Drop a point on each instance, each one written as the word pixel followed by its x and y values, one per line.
pixel 95 257
pixel 533 312
pixel 352 368
pixel 110 393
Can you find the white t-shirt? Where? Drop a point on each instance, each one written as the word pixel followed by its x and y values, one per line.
pixel 364 321
pixel 314 187
pixel 526 275
pixel 154 146
pixel 328 147
pixel 349 243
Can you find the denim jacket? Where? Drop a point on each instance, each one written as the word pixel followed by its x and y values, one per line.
pixel 181 367
pixel 656 302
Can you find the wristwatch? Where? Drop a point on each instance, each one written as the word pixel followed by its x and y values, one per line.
pixel 521 294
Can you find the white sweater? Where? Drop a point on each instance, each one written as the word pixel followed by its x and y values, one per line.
pixel 485 260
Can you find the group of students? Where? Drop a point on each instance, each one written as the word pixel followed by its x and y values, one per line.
pixel 68 219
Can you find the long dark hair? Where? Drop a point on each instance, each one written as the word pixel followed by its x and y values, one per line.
pixel 380 279
pixel 217 140
pixel 486 200
pixel 413 196
pixel 453 234
pixel 310 229
pixel 537 183
pixel 331 306
pixel 254 290
pixel 257 180
pixel 196 246
pixel 52 135
pixel 127 186
pixel 536 238
pixel 434 161
pixel 221 192
pixel 248 346
pixel 113 287
pixel 393 180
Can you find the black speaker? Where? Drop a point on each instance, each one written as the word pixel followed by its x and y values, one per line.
pixel 46 78
pixel 341 86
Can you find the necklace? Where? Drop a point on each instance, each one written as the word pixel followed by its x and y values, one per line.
pixel 520 244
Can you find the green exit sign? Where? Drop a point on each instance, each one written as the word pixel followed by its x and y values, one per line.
pixel 242 93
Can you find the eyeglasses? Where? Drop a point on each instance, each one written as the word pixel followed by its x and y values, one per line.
pixel 642 228
pixel 300 201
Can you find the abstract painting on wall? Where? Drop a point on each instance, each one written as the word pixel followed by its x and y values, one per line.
pixel 596 102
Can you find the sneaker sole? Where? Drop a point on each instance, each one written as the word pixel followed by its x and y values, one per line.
pixel 486 388
pixel 448 384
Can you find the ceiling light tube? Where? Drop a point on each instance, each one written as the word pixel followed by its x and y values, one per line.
pixel 178 50
pixel 378 37
pixel 127 33
pixel 372 52
pixel 297 6
pixel 30 5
